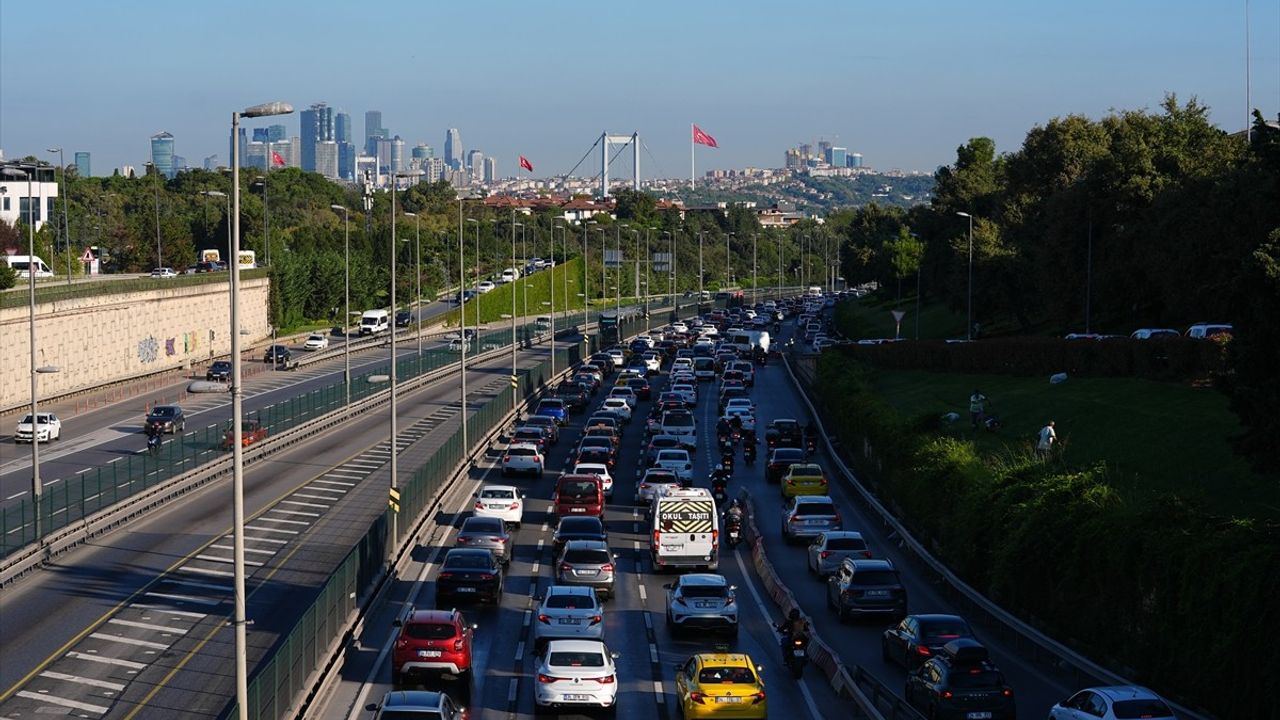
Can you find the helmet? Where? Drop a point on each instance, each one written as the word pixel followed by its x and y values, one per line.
pixel 720 466
pixel 794 614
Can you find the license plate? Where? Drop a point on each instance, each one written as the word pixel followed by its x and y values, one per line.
pixel 429 653
pixel 978 716
pixel 797 653
pixel 817 522
pixel 577 698
pixel 577 509
pixel 586 573
pixel 877 593
pixel 704 604
pixel 466 589
pixel 497 507
pixel 728 699
pixel 568 621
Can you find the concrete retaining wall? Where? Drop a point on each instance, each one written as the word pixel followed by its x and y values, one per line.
pixel 112 337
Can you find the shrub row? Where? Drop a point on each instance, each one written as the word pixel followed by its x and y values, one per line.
pixel 1148 585
pixel 1034 356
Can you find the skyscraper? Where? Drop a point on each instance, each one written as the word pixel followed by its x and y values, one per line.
pixel 373 124
pixel 422 151
pixel 276 133
pixel 346 161
pixel 382 151
pixel 490 170
pixel 317 127
pixel 475 161
pixel 326 158
pixel 342 127
pixel 162 153
pixel 836 156
pixel 244 135
pixel 260 135
pixel 82 164
pixel 453 149
pixel 398 163
pixel 855 160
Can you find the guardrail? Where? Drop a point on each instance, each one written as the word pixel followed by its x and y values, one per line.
pixel 1025 639
pixel 50 292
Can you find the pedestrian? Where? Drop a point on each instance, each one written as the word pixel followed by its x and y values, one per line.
pixel 977 407
pixel 1047 437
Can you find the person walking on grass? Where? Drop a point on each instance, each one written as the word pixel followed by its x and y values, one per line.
pixel 977 407
pixel 1045 444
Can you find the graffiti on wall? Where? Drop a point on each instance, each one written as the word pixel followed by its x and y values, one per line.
pixel 149 347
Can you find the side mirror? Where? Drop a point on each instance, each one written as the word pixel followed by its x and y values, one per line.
pixel 614 655
pixel 668 586
pixel 371 707
pixel 396 623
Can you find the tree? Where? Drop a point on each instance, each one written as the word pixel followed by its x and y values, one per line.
pixel 904 254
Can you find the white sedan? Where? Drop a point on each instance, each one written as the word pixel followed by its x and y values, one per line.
pixel 618 407
pixel 576 674
pixel 164 272
pixel 316 341
pixel 47 427
pixel 500 501
pixel 600 470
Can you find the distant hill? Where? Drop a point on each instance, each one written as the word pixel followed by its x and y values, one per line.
pixel 813 194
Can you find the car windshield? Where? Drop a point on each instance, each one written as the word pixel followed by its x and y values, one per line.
pixel 567 601
pixel 875 577
pixel 498 494
pixel 164 411
pixel 846 543
pixel 943 632
pixel 975 677
pixel 815 508
pixel 530 434
pixel 576 659
pixel 482 525
pixel 468 561
pixel 673 456
pixel 580 525
pixel 584 556
pixel 704 591
pixel 430 631
pixel 525 452
pixel 677 419
pixel 578 489
pixel 788 454
pixel 1146 708
pixel 550 405
pixel 666 442
pixel 666 477
pixel 786 426
pixel 726 676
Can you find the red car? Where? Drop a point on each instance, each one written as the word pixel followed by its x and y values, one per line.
pixel 432 643
pixel 250 432
pixel 578 495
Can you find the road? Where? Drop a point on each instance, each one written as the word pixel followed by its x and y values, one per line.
pixel 140 628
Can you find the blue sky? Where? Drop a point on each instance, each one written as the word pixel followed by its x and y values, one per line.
pixel 903 81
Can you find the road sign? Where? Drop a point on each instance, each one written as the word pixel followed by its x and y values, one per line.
pixel 394 499
pixel 897 320
pixel 87 256
pixel 515 381
pixel 612 258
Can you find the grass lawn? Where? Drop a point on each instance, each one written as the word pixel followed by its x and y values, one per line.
pixel 1160 436
pixel 872 317
pixel 497 302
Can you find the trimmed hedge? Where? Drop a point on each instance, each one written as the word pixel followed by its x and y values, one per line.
pixel 1149 585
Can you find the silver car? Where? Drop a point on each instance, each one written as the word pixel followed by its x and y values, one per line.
pixel 829 549
pixel 587 563
pixel 487 533
pixel 702 601
pixel 807 516
pixel 568 612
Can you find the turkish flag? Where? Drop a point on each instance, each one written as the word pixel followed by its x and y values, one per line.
pixel 276 159
pixel 702 138
pixel 524 163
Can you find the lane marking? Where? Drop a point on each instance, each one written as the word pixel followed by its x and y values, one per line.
pixel 196 583
pixel 184 598
pixel 330 498
pixel 147 626
pixel 305 504
pixel 106 660
pixel 226 561
pixel 169 611
pixel 248 550
pixel 296 512
pixel 55 700
pixel 266 540
pixel 282 520
pixel 83 680
pixel 207 571
pixel 259 528
pixel 337 473
pixel 520 651
pixel 129 641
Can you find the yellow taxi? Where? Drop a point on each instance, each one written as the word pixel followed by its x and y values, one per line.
pixel 721 685
pixel 804 479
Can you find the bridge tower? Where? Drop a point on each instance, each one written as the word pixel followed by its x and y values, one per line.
pixel 607 141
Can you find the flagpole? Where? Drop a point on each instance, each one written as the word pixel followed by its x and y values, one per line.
pixel 691 170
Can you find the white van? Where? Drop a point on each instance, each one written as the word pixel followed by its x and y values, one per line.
pixel 686 530
pixel 22 264
pixel 373 322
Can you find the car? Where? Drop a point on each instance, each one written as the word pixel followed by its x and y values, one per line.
pixel 702 602
pixel 608 419
pixel 553 407
pixel 486 286
pixel 866 587
pixel 676 461
pixel 316 341
pixel 652 361
pixel 219 371
pixel 587 563
pixel 607 443
pixel 780 460
pixel 829 549
pixel 731 392
pixel 531 435
pixel 1119 702
pixel 804 479
pixel 504 502
pixel 417 705
pixel 567 611
pixel 432 643
pixel 578 528
pixel 806 516
pixel 403 318
pixel 548 424
pixel 616 356
pixel 600 470
pixel 1205 331
pixel 617 406
pixel 588 380
pixel 704 368
pixel 251 431
pixel 277 354
pixel 575 395
pixel 47 428
pixel 522 458
pixel 165 419
pixel 745 416
pixel 655 483
pixel 577 674
pixel 641 388
pixel 657 443
pixel 578 495
pixel 682 424
pixel 960 683
pixel 509 275
pixel 469 573
pixel 164 272
pixel 784 432
pixel 682 364
pixel 458 344
pixel 721 685
pixel 916 638
pixel 489 533
pixel 1154 333
pixel 626 393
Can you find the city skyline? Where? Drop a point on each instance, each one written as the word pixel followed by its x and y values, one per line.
pixel 900 86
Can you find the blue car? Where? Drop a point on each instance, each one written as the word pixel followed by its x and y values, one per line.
pixel 553 408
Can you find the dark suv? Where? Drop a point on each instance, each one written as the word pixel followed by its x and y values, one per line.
pixel 277 353
pixel 959 683
pixel 219 371
pixel 866 587
pixel 431 643
pixel 403 318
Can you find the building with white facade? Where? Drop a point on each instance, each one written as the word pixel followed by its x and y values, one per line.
pixel 16 196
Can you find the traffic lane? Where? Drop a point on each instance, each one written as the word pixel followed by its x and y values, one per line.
pixel 88 583
pixel 1035 690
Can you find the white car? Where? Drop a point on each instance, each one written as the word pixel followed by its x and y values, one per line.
pixel 702 601
pixel 1110 703
pixel 600 470
pixel 568 611
pixel 486 286
pixel 683 364
pixel 653 362
pixel 500 501
pixel 688 392
pixel 677 461
pixel 679 326
pixel 510 275
pixel 739 404
pixel 618 407
pixel 645 339
pixel 626 393
pixel 619 358
pixel 316 341
pixel 656 483
pixel 576 674
pixel 744 414
pixel 48 427
pixel 164 273
pixel 522 458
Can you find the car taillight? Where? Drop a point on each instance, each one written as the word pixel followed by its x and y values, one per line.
pixel 514 506
pixel 757 698
pixel 1008 692
pixel 459 643
pixel 565 567
pixel 697 697
pixel 544 618
pixel 595 619
pixel 794 518
pixel 606 680
pixel 544 679
pixel 657 537
pixel 715 537
pixel 402 643
pixel 444 575
pixel 866 553
pixel 824 554
pixel 607 567
pixel 923 651
pixel 506 458
pixel 479 505
pixel 486 576
pixel 947 694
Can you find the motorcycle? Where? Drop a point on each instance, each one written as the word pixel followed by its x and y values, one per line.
pixel 153 442
pixel 720 493
pixel 795 654
pixel 749 453
pixel 733 530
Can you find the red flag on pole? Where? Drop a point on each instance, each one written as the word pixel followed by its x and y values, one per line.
pixel 524 163
pixel 276 159
pixel 702 138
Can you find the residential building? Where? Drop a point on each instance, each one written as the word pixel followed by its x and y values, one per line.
pixel 16 204
pixel 490 170
pixel 82 164
pixel 317 127
pixel 453 149
pixel 162 153
pixel 326 158
pixel 475 161
pixel 434 168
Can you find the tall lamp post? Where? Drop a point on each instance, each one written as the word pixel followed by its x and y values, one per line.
pixel 462 329
pixel 237 421
pixel 66 224
pixel 755 287
pixel 515 397
pixel 968 327
pixel 159 256
pixel 417 309
pixel 463 312
pixel 699 272
pixel 346 297
pixel 395 250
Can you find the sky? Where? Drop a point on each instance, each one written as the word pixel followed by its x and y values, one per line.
pixel 904 82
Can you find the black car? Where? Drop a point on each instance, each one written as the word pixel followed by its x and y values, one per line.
pixel 578 528
pixel 403 318
pixel 165 419
pixel 219 371
pixel 595 454
pixel 917 638
pixel 732 392
pixel 780 460
pixel 276 353
pixel 866 587
pixel 641 388
pixel 784 433
pixel 469 573
pixel 574 394
pixel 960 683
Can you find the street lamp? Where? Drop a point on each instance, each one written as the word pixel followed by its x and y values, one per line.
pixel 514 396
pixel 237 421
pixel 395 248
pixel 462 331
pixel 66 225
pixel 968 327
pixel 417 313
pixel 586 292
pixel 699 272
pixel 346 298
pixel 266 215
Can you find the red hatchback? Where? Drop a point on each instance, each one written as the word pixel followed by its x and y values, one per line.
pixel 581 495
pixel 432 643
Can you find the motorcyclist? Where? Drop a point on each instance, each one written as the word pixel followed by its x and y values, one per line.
pixel 153 438
pixel 749 450
pixel 733 515
pixel 722 429
pixel 793 628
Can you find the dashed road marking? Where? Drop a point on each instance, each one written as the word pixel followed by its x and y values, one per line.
pixel 106 660
pixel 55 700
pixel 184 598
pixel 147 626
pixel 129 641
pixel 83 680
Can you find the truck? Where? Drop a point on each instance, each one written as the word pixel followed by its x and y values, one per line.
pixel 210 256
pixel 248 260
pixel 748 341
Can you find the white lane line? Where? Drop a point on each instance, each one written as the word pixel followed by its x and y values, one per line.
pixel 106 660
pixel 329 498
pixel 337 474
pixel 528 617
pixel 282 520
pixel 129 641
pixel 207 571
pixel 295 512
pixel 259 528
pixel 226 561
pixel 55 700
pixel 511 690
pixel 248 550
pixel 83 680
pixel 520 651
pixel 653 653
pixel 306 504
pixel 659 692
pixel 643 594
pixel 196 583
pixel 147 626
pixel 361 465
pixel 169 611
pixel 184 598
pixel 16 495
pixel 273 541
